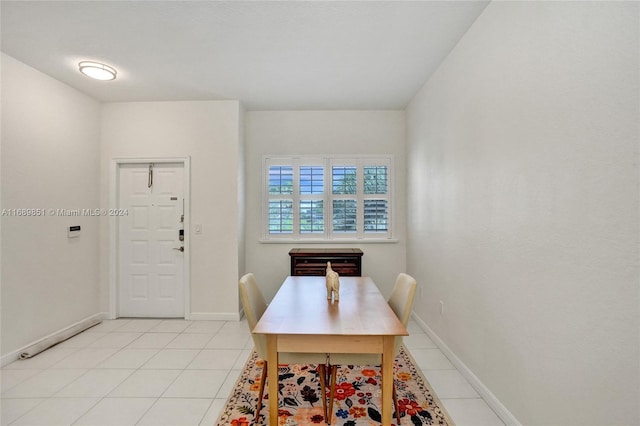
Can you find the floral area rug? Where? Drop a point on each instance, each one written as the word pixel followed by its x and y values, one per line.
pixel 356 402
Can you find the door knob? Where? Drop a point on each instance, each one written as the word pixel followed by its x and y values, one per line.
pixel 179 248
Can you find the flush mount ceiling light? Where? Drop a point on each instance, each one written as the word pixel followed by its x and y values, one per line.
pixel 97 70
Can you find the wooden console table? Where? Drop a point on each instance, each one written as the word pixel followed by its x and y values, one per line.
pixel 345 261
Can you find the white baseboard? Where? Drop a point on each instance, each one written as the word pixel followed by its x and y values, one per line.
pixel 15 355
pixel 215 316
pixel 206 316
pixel 488 396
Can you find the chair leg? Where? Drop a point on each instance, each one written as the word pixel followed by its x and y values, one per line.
pixel 395 404
pixel 323 384
pixel 332 390
pixel 263 379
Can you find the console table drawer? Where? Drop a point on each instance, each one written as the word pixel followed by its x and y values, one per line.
pixel 346 262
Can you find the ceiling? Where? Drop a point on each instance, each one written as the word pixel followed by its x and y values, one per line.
pixel 268 54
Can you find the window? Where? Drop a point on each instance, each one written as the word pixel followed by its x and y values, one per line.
pixel 327 198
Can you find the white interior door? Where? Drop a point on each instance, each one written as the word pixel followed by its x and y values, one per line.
pixel 151 267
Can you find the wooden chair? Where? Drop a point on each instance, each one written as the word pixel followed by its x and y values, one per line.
pixel 401 302
pixel 254 306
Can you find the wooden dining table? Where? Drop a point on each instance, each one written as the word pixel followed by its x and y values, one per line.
pixel 301 319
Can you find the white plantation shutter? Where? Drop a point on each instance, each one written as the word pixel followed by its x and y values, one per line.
pixel 327 198
pixel 311 184
pixel 345 216
pixel 281 217
pixel 376 202
pixel 376 216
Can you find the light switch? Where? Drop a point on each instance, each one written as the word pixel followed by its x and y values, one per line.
pixel 73 231
pixel 197 229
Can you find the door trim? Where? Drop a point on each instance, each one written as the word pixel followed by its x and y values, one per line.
pixel 114 184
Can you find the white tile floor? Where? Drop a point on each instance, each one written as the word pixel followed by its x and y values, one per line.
pixel 172 372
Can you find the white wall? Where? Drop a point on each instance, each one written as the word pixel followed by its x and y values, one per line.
pixel 322 132
pixel 523 203
pixel 208 132
pixel 242 199
pixel 50 137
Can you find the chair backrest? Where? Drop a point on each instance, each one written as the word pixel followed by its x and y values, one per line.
pixel 254 306
pixel 401 299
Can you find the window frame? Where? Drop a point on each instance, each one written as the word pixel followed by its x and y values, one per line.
pixel 328 162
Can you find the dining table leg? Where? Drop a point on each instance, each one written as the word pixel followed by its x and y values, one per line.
pixel 272 377
pixel 388 350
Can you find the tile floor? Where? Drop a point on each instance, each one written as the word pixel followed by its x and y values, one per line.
pixel 172 372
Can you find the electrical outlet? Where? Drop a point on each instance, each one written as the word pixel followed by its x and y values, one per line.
pixel 441 307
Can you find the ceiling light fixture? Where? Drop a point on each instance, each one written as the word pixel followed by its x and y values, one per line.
pixel 97 70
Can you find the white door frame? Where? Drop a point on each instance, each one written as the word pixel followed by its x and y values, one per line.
pixel 114 186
